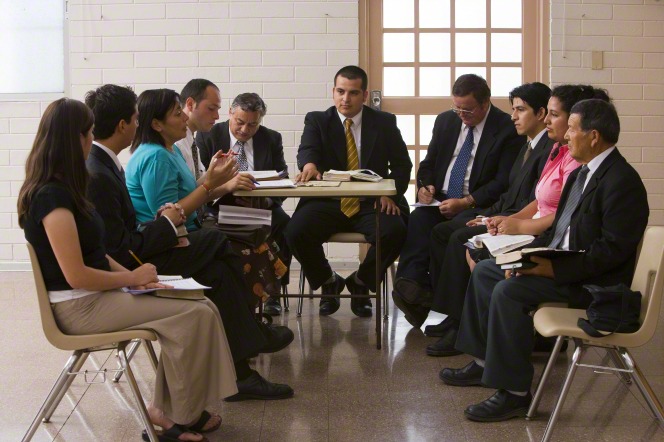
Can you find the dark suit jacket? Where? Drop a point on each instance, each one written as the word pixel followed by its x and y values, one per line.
pixel 108 192
pixel 268 150
pixel 608 224
pixel 382 149
pixel 523 179
pixel 495 155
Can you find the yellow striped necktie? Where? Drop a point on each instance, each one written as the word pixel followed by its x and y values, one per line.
pixel 350 206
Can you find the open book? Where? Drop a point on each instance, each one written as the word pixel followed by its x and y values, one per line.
pixel 244 215
pixel 499 244
pixel 347 175
pixel 265 175
pixel 183 288
pixel 521 258
pixel 274 183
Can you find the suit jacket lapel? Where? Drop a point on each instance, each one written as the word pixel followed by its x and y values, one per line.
pixel 450 136
pixel 369 135
pixel 103 157
pixel 337 136
pixel 260 150
pixel 225 138
pixel 597 175
pixel 486 142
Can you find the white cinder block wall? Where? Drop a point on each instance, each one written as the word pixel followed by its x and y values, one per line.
pixel 288 52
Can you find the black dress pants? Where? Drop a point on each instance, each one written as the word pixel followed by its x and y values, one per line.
pixel 209 260
pixel 315 220
pixel 496 325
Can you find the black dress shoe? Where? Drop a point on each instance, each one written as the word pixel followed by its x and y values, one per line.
pixel 445 345
pixel 272 307
pixel 277 336
pixel 501 406
pixel 331 305
pixel 471 374
pixel 414 314
pixel 360 306
pixel 438 330
pixel 412 292
pixel 257 387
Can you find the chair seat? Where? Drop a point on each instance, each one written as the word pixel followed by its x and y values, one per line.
pixel 556 321
pixel 347 237
pixel 80 342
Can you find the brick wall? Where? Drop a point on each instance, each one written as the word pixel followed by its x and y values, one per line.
pixel 288 52
pixel 630 33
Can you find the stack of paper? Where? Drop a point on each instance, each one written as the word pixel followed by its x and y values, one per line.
pixel 265 175
pixel 244 216
pixel 275 184
pixel 181 288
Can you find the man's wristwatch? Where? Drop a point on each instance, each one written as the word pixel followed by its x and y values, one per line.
pixel 471 201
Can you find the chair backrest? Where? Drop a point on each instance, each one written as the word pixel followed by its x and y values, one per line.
pixel 50 327
pixel 649 278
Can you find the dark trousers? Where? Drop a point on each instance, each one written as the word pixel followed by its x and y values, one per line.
pixel 449 268
pixel 209 260
pixel 496 326
pixel 315 220
pixel 414 261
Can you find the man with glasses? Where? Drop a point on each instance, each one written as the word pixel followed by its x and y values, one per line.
pixel 467 166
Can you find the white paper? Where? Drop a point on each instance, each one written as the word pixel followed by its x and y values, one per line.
pixel 499 244
pixel 178 284
pixel 244 216
pixel 434 203
pixel 275 184
pixel 264 174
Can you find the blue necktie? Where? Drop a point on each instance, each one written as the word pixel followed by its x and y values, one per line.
pixel 458 174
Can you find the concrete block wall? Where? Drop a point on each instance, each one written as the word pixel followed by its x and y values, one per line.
pixel 630 34
pixel 288 52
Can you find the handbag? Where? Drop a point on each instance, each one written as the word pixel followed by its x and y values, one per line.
pixel 614 309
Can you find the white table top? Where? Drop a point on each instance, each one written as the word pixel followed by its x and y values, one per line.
pixel 346 189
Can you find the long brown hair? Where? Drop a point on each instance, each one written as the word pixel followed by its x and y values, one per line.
pixel 57 154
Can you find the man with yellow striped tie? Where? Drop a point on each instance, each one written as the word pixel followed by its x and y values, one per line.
pixel 347 136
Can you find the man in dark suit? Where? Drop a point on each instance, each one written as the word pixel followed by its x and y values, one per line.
pixel 603 213
pixel 467 166
pixel 448 267
pixel 208 258
pixel 257 148
pixel 349 136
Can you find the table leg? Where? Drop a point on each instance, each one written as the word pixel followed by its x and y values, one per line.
pixel 379 329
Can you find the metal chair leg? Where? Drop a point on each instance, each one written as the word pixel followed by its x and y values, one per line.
pixel 131 351
pixel 53 394
pixel 75 368
pixel 539 391
pixel 643 385
pixel 142 410
pixel 149 349
pixel 576 359
pixel 385 299
pixel 300 300
pixel 284 291
pixel 618 362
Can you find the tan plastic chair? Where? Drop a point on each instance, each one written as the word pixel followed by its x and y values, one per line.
pixel 649 280
pixel 349 238
pixel 82 346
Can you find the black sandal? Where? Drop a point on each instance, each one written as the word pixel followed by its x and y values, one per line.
pixel 200 423
pixel 172 434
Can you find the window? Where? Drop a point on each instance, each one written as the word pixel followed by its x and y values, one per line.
pixel 32 47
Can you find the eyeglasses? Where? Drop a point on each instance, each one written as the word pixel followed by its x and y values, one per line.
pixel 465 112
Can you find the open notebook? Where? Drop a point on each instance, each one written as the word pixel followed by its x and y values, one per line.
pixel 183 288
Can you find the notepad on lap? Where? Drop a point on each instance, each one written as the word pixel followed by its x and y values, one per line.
pixel 183 288
pixel 499 244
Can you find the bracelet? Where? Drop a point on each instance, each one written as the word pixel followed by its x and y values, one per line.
pixel 207 188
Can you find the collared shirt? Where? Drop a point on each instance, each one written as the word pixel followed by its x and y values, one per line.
pixel 593 165
pixel 477 134
pixel 356 129
pixel 248 149
pixel 110 153
pixel 537 138
pixel 185 148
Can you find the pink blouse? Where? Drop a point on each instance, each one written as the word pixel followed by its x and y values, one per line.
pixel 553 178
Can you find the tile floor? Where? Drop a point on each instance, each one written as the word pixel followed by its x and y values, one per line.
pixel 346 390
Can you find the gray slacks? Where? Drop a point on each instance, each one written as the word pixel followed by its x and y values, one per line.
pixel 496 325
pixel 195 367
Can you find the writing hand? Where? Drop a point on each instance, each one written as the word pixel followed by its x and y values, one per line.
pixel 425 194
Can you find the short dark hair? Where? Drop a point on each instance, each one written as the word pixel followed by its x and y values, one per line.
pixel 110 104
pixel 569 94
pixel 195 89
pixel 249 102
pixel 353 73
pixel 535 94
pixel 600 115
pixel 472 84
pixel 153 104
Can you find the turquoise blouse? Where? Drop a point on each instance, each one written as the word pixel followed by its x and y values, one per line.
pixel 156 176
